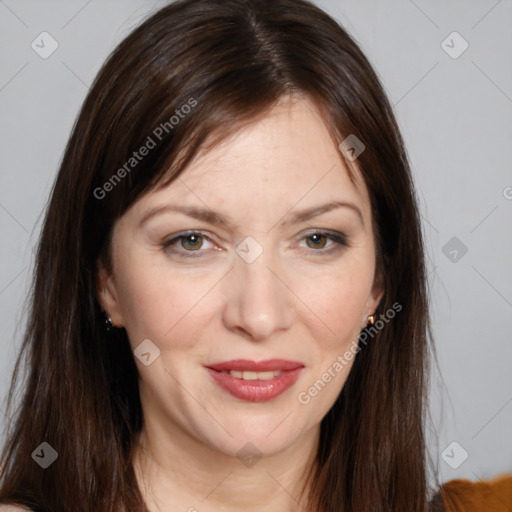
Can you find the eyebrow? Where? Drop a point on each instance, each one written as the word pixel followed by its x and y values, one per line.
pixel 315 211
pixel 217 218
pixel 191 211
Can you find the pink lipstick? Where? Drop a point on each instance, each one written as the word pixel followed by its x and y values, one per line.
pixel 255 381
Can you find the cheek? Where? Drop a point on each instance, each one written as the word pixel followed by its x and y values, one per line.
pixel 338 298
pixel 156 303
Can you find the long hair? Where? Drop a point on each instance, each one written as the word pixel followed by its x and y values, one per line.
pixel 189 76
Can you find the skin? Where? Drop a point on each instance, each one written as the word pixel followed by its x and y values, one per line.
pixel 296 301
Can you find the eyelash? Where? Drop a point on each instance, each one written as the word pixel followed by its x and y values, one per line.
pixel 339 241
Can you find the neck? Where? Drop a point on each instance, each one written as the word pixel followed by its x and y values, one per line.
pixel 175 471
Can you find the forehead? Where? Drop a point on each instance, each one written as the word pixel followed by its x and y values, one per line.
pixel 286 157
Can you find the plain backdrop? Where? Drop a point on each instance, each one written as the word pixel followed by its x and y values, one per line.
pixel 453 98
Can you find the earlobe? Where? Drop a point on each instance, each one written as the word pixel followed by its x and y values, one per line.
pixel 107 295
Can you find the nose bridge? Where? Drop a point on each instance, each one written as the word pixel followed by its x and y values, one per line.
pixel 257 301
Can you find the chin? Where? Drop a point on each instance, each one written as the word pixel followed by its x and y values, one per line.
pixel 255 436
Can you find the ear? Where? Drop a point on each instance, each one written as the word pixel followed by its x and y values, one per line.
pixel 107 294
pixel 373 301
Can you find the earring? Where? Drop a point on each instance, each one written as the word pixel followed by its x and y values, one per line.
pixel 109 326
pixel 371 319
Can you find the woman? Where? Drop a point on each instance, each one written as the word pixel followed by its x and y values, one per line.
pixel 229 309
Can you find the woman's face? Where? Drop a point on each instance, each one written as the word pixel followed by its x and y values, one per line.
pixel 261 250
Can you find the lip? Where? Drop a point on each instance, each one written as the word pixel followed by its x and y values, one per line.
pixel 256 366
pixel 256 390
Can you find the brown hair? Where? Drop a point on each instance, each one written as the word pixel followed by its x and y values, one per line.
pixel 230 61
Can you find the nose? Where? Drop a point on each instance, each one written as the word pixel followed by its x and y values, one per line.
pixel 258 303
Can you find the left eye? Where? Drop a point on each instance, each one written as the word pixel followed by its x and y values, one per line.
pixel 319 240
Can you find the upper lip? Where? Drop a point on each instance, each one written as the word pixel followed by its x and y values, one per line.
pixel 256 366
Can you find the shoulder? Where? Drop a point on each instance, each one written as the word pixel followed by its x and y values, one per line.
pixel 480 496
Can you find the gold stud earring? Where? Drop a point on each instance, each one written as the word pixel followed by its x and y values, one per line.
pixel 371 319
pixel 109 326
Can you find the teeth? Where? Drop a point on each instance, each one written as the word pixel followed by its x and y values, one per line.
pixel 255 375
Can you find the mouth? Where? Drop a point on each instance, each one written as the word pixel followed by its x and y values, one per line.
pixel 248 375
pixel 254 381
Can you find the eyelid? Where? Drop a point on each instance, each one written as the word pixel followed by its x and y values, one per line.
pixel 338 235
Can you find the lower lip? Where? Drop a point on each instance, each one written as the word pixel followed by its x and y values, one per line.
pixel 255 390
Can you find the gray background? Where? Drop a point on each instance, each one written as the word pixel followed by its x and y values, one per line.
pixel 456 117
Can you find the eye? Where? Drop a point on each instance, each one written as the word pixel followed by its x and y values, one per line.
pixel 188 242
pixel 320 240
pixel 195 244
pixel 192 242
pixel 317 240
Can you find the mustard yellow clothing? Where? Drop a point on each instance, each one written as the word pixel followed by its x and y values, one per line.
pixel 493 495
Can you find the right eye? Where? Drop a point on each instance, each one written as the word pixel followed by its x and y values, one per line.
pixel 189 242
